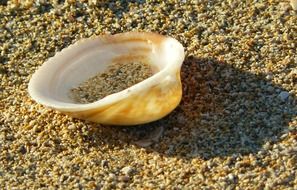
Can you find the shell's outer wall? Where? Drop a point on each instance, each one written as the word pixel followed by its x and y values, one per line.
pixel 149 105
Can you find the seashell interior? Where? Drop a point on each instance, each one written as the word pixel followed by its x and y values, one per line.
pixel 143 102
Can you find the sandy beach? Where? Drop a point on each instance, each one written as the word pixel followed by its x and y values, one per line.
pixel 236 125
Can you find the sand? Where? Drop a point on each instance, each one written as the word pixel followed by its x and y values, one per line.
pixel 115 78
pixel 236 126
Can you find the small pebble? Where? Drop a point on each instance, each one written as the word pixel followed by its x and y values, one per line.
pixel 144 143
pixel 112 177
pixel 23 149
pixel 284 95
pixel 124 178
pixel 231 177
pixel 128 170
pixel 71 127
pixel 104 163
pixel 269 77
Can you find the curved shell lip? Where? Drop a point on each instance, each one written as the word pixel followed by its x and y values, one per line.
pixel 109 99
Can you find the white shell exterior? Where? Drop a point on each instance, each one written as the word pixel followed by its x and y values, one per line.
pixel 144 102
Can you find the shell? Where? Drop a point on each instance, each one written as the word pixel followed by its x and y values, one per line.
pixel 144 102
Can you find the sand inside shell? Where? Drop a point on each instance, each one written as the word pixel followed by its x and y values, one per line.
pixel 117 77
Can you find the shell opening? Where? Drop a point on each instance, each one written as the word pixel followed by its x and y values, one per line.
pixel 120 75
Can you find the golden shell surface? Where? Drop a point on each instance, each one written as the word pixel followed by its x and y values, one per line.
pixel 144 102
